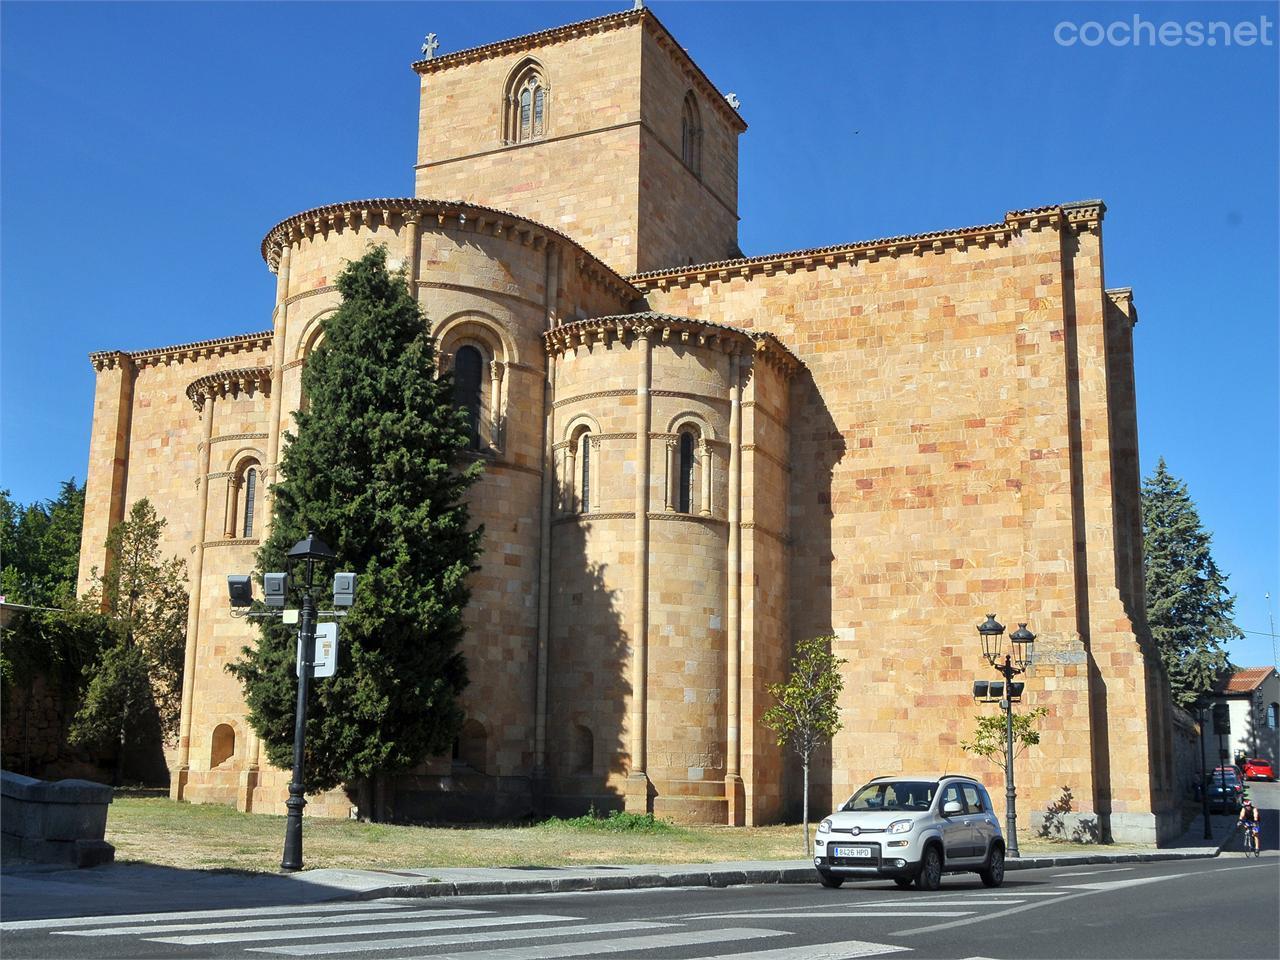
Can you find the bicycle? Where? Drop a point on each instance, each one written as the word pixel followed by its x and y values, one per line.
pixel 1252 840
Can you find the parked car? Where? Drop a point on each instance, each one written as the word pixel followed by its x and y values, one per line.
pixel 1255 768
pixel 1225 789
pixel 912 829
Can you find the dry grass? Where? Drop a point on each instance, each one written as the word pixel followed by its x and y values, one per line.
pixel 159 831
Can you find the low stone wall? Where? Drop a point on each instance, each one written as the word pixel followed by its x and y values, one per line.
pixel 61 822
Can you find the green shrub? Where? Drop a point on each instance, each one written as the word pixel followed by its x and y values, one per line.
pixel 616 822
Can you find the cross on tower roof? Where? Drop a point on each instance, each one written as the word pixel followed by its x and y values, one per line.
pixel 429 46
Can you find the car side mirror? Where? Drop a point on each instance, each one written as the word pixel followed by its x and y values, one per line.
pixel 951 808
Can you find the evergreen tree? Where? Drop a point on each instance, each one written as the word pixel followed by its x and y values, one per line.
pixel 373 472
pixel 1188 607
pixel 807 712
pixel 40 551
pixel 137 679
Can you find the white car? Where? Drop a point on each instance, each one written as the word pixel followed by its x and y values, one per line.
pixel 912 829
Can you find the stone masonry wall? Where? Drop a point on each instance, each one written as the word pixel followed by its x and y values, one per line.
pixel 933 482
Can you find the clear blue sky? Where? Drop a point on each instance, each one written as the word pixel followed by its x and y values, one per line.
pixel 147 148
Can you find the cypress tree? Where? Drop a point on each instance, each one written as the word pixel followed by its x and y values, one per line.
pixel 1189 608
pixel 373 471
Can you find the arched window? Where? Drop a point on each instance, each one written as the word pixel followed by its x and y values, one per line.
pixel 691 136
pixel 250 500
pixel 467 367
pixel 584 482
pixel 684 494
pixel 525 116
pixel 223 747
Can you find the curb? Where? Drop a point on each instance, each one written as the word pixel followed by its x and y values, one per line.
pixel 712 878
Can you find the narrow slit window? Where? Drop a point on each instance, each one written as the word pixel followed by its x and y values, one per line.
pixel 250 500
pixel 526 95
pixel 467 384
pixel 585 458
pixel 539 96
pixel 685 499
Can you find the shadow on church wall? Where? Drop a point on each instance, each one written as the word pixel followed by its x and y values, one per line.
pixel 817 446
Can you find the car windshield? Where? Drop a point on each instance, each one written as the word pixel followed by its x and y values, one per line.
pixel 893 795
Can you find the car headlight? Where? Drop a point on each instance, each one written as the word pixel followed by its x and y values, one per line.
pixel 900 826
pixel 825 826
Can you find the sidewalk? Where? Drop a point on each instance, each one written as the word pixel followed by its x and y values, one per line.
pixel 33 892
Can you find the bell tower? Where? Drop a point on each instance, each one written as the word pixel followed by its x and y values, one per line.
pixel 604 130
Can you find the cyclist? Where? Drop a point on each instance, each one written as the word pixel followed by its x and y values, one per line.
pixel 1249 820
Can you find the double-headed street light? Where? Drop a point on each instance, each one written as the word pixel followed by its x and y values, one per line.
pixel 1007 692
pixel 302 557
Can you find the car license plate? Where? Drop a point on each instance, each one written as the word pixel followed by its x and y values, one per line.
pixel 862 852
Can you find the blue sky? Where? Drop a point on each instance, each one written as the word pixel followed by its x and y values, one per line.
pixel 147 148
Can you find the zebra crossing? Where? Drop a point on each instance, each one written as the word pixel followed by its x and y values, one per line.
pixel 397 929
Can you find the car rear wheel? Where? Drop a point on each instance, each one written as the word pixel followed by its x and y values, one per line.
pixel 829 879
pixel 993 873
pixel 930 876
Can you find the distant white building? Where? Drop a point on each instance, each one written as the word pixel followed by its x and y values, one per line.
pixel 1251 696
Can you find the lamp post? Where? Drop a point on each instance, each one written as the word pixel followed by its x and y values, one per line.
pixel 992 632
pixel 1204 779
pixel 310 550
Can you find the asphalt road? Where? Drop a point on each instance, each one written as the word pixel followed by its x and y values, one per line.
pixel 1224 907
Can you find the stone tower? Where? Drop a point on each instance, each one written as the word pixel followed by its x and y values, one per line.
pixel 606 131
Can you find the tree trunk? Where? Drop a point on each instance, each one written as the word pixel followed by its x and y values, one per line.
pixel 808 849
pixel 382 787
pixel 364 800
pixel 117 777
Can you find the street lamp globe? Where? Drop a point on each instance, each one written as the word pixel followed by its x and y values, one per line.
pixel 1023 641
pixel 991 631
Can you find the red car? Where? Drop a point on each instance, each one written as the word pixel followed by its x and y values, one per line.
pixel 1256 768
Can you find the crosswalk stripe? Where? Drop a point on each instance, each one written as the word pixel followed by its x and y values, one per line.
pixel 847 950
pixel 858 913
pixel 192 915
pixel 306 933
pixel 260 923
pixel 405 943
pixel 628 945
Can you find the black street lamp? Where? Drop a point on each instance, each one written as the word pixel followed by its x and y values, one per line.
pixel 992 631
pixel 310 550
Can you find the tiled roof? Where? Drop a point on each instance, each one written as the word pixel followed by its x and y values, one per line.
pixel 1243 680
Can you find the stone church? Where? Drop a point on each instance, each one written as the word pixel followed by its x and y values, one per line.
pixel 692 460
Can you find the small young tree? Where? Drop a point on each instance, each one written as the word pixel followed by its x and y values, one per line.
pixel 374 470
pixel 138 677
pixel 989 735
pixel 1188 606
pixel 807 713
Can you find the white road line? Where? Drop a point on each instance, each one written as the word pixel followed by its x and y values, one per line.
pixel 1121 884
pixel 1087 873
pixel 847 950
pixel 268 922
pixel 266 936
pixel 405 943
pixel 857 913
pixel 196 914
pixel 628 945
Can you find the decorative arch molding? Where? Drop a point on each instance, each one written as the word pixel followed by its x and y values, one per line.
pixel 238 461
pixel 578 422
pixel 480 327
pixel 312 333
pixel 691 418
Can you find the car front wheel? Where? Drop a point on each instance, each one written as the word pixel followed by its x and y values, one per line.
pixel 903 882
pixel 829 880
pixel 930 876
pixel 993 873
